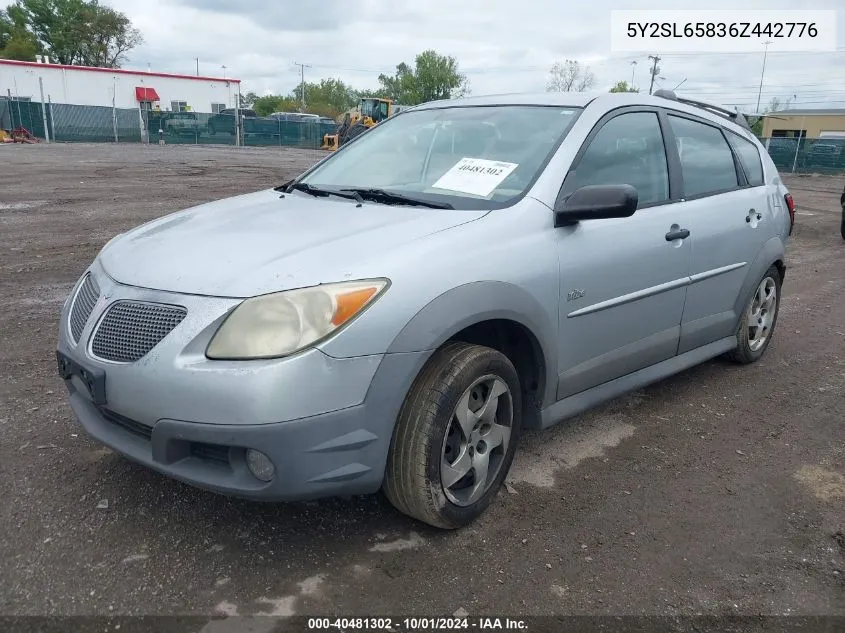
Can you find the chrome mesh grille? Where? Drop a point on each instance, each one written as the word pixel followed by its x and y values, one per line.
pixel 130 329
pixel 83 304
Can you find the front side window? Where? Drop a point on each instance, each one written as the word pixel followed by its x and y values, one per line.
pixel 707 162
pixel 749 157
pixel 469 157
pixel 627 150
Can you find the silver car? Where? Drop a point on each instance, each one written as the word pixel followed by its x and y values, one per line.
pixel 394 317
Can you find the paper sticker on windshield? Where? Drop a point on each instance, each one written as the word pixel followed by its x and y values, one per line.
pixel 476 176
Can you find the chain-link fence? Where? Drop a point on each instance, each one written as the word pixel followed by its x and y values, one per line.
pixel 97 124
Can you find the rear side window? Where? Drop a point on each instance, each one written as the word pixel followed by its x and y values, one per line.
pixel 749 157
pixel 707 162
pixel 628 150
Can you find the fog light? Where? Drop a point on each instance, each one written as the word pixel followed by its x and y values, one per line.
pixel 260 465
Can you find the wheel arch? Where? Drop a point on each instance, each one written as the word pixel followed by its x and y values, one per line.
pixel 499 315
pixel 771 254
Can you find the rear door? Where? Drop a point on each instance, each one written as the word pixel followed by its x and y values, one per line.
pixel 727 213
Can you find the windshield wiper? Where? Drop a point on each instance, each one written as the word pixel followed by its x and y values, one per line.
pixel 320 192
pixel 380 195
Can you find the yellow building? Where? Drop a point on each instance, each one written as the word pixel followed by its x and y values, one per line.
pixel 811 124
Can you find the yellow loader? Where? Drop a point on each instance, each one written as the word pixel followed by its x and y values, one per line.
pixel 370 112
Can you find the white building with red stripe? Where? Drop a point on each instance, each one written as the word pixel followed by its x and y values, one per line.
pixel 119 88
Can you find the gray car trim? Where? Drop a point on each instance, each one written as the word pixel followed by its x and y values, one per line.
pixel 632 296
pixel 715 272
pixel 578 403
pixel 473 303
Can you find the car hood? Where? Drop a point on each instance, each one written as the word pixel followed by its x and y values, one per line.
pixel 259 243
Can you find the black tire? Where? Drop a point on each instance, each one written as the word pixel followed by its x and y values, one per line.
pixel 744 353
pixel 355 131
pixel 842 203
pixel 413 481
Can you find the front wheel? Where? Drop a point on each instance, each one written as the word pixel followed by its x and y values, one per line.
pixel 757 323
pixel 455 437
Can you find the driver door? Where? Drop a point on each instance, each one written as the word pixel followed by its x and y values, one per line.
pixel 623 281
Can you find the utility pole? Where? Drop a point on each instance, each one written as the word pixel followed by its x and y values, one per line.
pixel 302 68
pixel 198 65
pixel 654 71
pixel 633 70
pixel 43 110
pixel 760 91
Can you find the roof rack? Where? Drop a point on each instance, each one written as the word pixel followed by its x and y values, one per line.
pixel 734 116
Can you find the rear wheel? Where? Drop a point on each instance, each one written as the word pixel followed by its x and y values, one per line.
pixel 757 323
pixel 455 437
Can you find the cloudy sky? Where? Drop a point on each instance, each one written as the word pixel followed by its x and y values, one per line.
pixel 501 45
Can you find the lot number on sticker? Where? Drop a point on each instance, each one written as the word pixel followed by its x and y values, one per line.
pixel 475 176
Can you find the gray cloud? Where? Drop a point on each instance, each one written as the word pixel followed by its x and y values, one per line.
pixel 326 15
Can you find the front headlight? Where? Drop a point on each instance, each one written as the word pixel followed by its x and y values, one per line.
pixel 283 323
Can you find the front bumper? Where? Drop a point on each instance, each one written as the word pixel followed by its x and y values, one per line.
pixel 325 423
pixel 327 455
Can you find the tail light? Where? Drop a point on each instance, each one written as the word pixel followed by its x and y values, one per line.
pixel 790 204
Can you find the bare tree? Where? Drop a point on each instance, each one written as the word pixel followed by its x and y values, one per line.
pixel 775 105
pixel 570 76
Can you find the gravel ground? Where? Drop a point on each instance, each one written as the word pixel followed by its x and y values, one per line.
pixel 718 491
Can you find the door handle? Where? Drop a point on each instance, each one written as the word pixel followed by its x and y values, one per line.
pixel 677 234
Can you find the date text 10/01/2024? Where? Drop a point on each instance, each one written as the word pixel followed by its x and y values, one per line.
pixel 416 624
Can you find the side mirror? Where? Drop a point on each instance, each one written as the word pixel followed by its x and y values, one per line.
pixel 596 202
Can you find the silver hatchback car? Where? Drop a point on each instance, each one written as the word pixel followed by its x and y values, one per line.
pixel 395 316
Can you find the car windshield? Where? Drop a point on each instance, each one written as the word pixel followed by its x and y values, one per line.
pixel 470 157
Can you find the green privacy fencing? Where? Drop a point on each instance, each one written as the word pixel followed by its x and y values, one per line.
pixel 809 155
pixel 97 124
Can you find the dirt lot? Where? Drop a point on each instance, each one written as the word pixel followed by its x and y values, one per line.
pixel 719 491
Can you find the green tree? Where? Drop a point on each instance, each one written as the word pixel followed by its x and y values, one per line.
pixel 16 41
pixel 570 76
pixel 248 100
pixel 331 95
pixel 369 93
pixel 82 32
pixel 622 86
pixel 269 104
pixel 432 78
